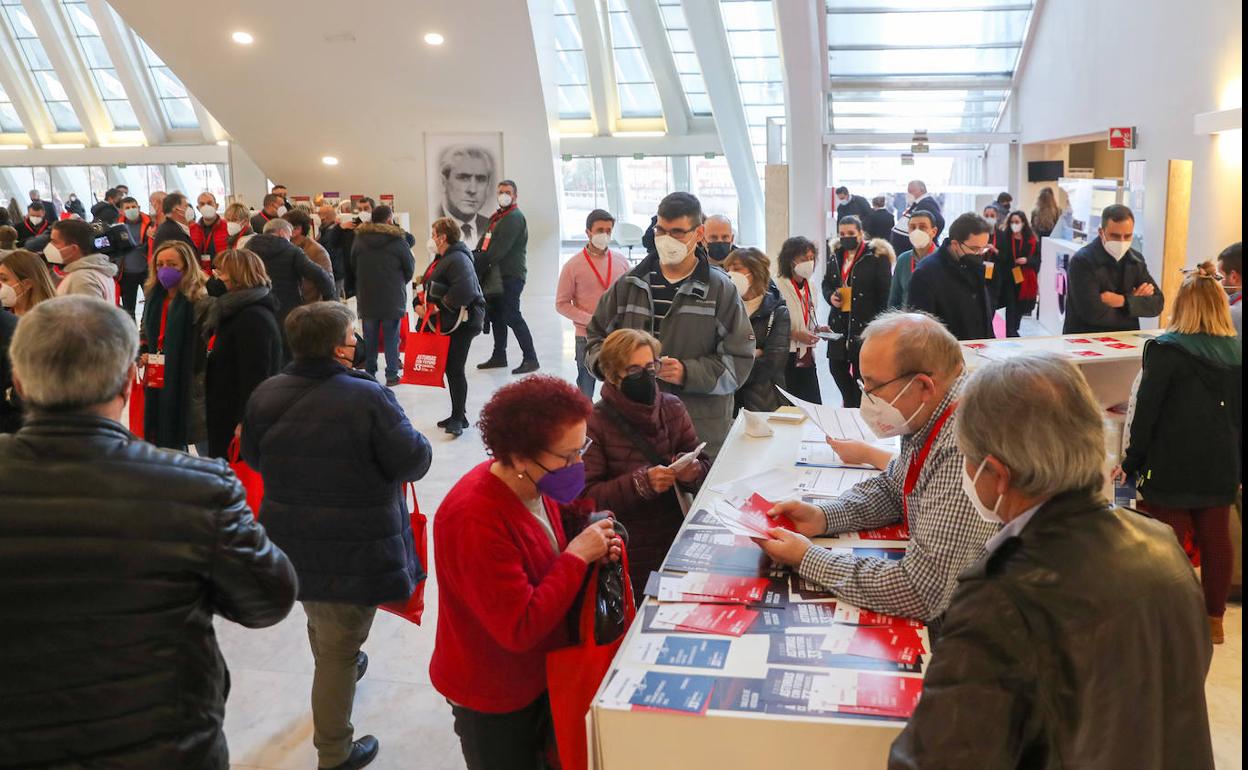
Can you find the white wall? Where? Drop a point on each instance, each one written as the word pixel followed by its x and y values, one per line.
pixel 1154 66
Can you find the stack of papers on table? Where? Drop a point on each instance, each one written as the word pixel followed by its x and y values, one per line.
pixel 831 482
pixel 724 619
pixel 749 518
pixel 710 588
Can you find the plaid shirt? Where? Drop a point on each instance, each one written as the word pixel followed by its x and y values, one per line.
pixel 946 534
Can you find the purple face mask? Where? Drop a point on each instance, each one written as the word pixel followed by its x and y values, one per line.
pixel 168 277
pixel 564 484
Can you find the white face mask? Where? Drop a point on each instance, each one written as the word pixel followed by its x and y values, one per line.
pixel 281 211
pixel 671 251
pixel 842 201
pixel 968 488
pixel 131 215
pixel 36 221
pixel 1116 249
pixel 1016 227
pixel 365 216
pixel 432 246
pixel 991 220
pixel 504 200
pixel 233 228
pixel 741 281
pixel 884 419
pixel 208 212
pixel 920 239
pixel 804 270
pixel 8 295
pixel 910 199
pixel 53 254
pixel 600 241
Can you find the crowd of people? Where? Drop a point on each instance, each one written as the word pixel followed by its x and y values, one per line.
pixel 243 339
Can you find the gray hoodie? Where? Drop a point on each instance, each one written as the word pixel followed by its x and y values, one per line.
pixel 92 275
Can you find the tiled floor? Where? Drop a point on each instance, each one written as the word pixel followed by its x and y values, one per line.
pixel 268 719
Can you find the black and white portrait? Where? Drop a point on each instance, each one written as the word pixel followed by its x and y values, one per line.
pixel 463 174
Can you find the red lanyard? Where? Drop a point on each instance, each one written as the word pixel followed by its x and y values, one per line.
pixel 42 226
pixel 164 318
pixel 803 296
pixel 847 267
pixel 607 283
pixel 1237 298
pixel 428 272
pixel 916 462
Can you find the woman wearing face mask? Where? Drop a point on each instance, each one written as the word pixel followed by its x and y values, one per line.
pixel 247 348
pixel 24 281
pixel 750 271
pixel 510 566
pixel 172 348
pixel 451 303
pixel 795 267
pixel 922 241
pixel 237 225
pixel 637 432
pixel 856 285
pixel 1018 266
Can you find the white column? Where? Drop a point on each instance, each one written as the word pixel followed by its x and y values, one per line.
pixel 797 26
pixel 617 196
pixel 598 65
pixel 680 173
pixel 652 33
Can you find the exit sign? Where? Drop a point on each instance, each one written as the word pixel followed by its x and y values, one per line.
pixel 639 156
pixel 1122 138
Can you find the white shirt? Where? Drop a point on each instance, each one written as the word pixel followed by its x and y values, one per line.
pixel 538 509
pixel 1012 528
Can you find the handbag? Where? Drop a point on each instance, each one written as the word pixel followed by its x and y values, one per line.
pixel 250 478
pixel 413 608
pixel 136 406
pixel 574 673
pixel 424 356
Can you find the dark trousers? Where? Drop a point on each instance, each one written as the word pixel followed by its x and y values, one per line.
pixel 1013 314
pixel 518 740
pixel 843 374
pixel 375 329
pixel 802 381
pixel 456 380
pixel 504 313
pixel 1211 533
pixel 131 285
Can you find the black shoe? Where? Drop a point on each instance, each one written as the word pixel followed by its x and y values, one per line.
pixel 455 426
pixel 527 366
pixel 446 422
pixel 392 381
pixel 363 752
pixel 494 363
pixel 361 665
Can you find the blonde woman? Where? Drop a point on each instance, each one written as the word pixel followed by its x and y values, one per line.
pixel 1185 434
pixel 172 348
pixel 1046 213
pixel 237 225
pixel 24 281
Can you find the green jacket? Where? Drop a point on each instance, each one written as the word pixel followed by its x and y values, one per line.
pixel 504 259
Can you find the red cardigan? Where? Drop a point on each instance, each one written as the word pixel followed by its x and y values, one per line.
pixel 503 595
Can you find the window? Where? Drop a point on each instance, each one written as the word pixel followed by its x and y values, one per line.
pixel 10 123
pixel 687 66
pixel 574 102
pixel 175 101
pixel 639 98
pixel 751 26
pixel 644 182
pixel 584 189
pixel 103 74
pixel 711 180
pixel 36 59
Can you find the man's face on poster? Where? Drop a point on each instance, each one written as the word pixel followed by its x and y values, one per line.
pixel 465 186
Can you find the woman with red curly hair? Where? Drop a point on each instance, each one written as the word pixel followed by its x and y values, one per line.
pixel 509 571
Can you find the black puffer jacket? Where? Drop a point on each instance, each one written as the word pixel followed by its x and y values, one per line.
pixel 1080 643
pixel 870 277
pixel 114 556
pixel 451 284
pixel 771 336
pixel 288 265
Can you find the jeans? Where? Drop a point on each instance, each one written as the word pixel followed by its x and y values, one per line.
pixel 585 379
pixel 389 330
pixel 517 740
pixel 505 312
pixel 336 632
pixel 456 380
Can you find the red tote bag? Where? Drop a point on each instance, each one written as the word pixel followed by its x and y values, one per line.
pixel 424 357
pixel 251 480
pixel 414 608
pixel 136 406
pixel 574 673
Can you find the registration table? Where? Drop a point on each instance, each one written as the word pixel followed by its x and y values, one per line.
pixel 793 690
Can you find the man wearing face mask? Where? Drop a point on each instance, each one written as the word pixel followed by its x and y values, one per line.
pixel 73 245
pixel 1231 266
pixel 950 284
pixel 50 212
pixel 1109 288
pixel 917 199
pixel 106 210
pixel 922 242
pixel 851 205
pixel 719 238
pixel 331 237
pixel 210 234
pixel 1082 624
pixel 133 261
pixel 501 265
pixel 179 214
pixel 911 374
pixel 695 312
pixel 583 281
pixel 33 225
pixel 272 206
pixel 363 215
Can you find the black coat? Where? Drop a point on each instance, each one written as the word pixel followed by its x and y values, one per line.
pixel 383 265
pixel 452 284
pixel 901 241
pixel 172 231
pixel 1187 433
pixel 25 231
pixel 871 277
pixel 857 206
pixel 771 335
pixel 105 212
pixel 335 450
pixel 288 265
pixel 1092 271
pixel 10 411
pixel 954 291
pixel 1080 643
pixel 879 223
pixel 331 238
pixel 248 351
pixel 114 558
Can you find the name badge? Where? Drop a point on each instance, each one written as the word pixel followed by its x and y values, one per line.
pixel 847 298
pixel 485 242
pixel 989 267
pixel 154 372
pixel 1018 275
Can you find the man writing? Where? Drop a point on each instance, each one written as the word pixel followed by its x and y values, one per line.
pixel 911 371
pixel 467 178
pixel 719 238
pixel 1109 287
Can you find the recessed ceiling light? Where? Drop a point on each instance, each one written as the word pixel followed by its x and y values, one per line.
pixel 329 160
pixel 243 38
pixel 434 38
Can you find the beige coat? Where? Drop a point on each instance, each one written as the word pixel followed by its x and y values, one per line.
pixel 317 253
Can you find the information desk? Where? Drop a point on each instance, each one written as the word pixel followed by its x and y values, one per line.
pixel 759 712
pixel 1110 361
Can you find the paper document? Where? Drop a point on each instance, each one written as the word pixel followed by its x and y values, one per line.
pixel 681 462
pixel 772 483
pixel 831 482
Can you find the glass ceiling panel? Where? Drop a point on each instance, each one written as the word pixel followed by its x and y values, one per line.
pixel 36 59
pixel 687 65
pixel 10 123
pixel 842 6
pixel 945 28
pixel 923 62
pixel 639 98
pixel 574 102
pixel 103 75
pixel 752 40
pixel 174 101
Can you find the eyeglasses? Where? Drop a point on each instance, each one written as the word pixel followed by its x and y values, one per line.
pixel 862 386
pixel 676 233
pixel 573 457
pixel 634 370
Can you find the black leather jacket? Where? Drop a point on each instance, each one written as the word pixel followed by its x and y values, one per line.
pixel 1080 643
pixel 114 557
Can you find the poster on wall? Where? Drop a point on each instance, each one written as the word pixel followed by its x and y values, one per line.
pixel 462 174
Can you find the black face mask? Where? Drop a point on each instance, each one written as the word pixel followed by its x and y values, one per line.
pixel 639 387
pixel 358 359
pixel 849 244
pixel 719 251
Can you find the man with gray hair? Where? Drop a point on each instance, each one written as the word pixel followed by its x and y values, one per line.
pixel 467 181
pixel 288 266
pixel 917 199
pixel 910 373
pixel 114 557
pixel 1081 633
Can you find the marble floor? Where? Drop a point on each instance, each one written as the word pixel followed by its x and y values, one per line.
pixel 268 718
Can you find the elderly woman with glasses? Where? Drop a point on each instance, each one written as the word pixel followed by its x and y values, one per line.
pixel 639 432
pixel 510 566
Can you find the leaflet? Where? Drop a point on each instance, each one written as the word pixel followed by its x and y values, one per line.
pixel 709 588
pixel 681 462
pixel 704 550
pixel 831 482
pixel 658 691
pixel 680 651
pixel 901 645
pixel 773 483
pixel 851 615
pixel 807 649
pixel 750 518
pixel 864 693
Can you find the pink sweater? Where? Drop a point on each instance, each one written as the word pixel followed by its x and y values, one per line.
pixel 579 289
